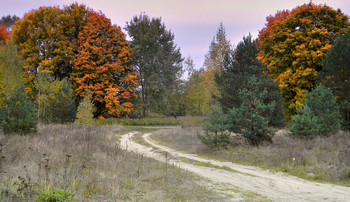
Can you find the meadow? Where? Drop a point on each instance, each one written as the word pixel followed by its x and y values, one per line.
pixel 88 164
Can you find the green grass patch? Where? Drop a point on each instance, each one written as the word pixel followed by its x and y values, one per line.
pixel 139 139
pixel 163 121
pixel 57 195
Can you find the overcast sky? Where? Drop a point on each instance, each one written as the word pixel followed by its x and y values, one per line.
pixel 193 22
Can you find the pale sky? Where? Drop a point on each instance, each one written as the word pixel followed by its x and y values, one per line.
pixel 193 22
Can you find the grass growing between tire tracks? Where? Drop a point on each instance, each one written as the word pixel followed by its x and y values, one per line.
pixel 323 159
pixel 141 140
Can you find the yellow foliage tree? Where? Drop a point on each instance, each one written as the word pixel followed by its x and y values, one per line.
pixel 293 45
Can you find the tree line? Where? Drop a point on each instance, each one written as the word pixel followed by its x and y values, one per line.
pixel 60 55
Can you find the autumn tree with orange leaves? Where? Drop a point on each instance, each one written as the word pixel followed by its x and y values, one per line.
pixel 102 67
pixel 293 45
pixel 48 40
pixel 83 46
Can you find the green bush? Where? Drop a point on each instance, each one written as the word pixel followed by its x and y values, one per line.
pixel 57 195
pixel 18 114
pixel 319 116
pixel 215 128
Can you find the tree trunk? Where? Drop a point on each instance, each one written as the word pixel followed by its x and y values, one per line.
pixel 39 107
pixel 143 94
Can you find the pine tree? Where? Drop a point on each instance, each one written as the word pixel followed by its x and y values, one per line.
pixel 18 114
pixel 215 130
pixel 251 118
pixel 319 116
pixel 239 66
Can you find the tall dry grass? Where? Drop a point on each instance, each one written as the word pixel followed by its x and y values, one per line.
pixel 89 163
pixel 325 159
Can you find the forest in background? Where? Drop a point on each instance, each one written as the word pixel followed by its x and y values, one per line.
pixel 59 55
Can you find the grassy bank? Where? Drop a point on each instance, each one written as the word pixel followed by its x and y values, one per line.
pixel 323 159
pixel 89 164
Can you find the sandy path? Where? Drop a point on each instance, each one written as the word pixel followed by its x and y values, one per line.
pixel 273 185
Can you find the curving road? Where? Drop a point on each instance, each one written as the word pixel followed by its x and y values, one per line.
pixel 237 180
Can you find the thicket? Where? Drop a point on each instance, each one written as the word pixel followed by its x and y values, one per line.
pixel 55 101
pixel 61 106
pixel 227 77
pixel 19 114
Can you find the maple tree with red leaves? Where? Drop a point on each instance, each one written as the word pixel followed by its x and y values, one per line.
pixel 4 35
pixel 102 67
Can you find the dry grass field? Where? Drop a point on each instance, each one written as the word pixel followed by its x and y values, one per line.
pixel 89 164
pixel 323 159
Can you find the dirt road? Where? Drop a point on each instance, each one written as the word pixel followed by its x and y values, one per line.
pixel 238 180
